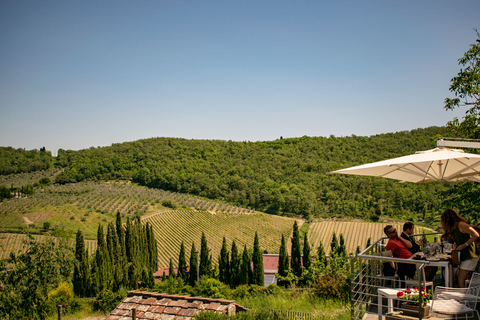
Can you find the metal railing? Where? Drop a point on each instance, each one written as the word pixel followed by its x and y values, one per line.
pixel 367 279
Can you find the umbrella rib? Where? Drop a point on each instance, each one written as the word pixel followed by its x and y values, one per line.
pixel 466 167
pixel 420 173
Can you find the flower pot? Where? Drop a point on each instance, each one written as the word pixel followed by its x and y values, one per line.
pixel 411 309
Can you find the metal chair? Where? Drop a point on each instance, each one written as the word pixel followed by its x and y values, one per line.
pixel 455 302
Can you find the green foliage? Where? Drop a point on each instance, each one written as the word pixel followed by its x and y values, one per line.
pixel 466 87
pixel 182 264
pixel 169 204
pixel 27 278
pixel 296 262
pixel 235 264
pixel 193 265
pixel 285 177
pixel 205 261
pixel 63 295
pixel 20 160
pixel 224 264
pixel 173 286
pixel 212 288
pixel 333 281
pixel 306 253
pixel 107 300
pixel 283 261
pixel 257 259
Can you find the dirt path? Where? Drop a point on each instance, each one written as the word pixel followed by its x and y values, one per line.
pixel 27 221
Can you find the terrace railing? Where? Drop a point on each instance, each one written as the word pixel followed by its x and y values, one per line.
pixel 367 279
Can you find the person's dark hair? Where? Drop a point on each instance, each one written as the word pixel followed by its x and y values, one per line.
pixel 407 225
pixel 450 219
pixel 387 229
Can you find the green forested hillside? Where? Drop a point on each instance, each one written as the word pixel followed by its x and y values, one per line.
pixel 285 176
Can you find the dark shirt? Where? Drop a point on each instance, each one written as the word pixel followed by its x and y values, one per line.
pixel 415 247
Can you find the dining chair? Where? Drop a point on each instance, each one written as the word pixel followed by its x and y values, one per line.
pixel 455 302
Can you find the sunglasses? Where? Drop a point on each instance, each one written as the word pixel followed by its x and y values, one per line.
pixel 394 230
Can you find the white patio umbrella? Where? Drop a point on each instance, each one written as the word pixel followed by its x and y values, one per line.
pixel 440 164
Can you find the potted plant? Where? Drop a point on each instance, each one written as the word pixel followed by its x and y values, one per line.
pixel 412 298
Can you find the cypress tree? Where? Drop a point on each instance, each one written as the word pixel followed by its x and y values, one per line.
pixel 283 259
pixel 342 250
pixel 223 264
pixel 81 273
pixel 257 259
pixel 321 257
pixel 171 270
pixel 120 233
pixel 102 260
pixel 334 245
pixel 296 255
pixel 245 268
pixel 234 266
pixel 193 265
pixel 182 264
pixel 154 250
pixel 306 254
pixel 132 276
pixel 129 243
pixel 205 265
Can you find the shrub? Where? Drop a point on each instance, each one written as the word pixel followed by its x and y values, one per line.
pixel 212 288
pixel 107 300
pixel 63 295
pixel 333 284
pixel 169 204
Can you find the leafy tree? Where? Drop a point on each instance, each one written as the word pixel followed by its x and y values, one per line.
pixel 296 262
pixel 257 259
pixel 466 87
pixel 27 278
pixel 182 263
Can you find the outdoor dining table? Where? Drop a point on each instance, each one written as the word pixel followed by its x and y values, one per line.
pixel 447 266
pixel 442 260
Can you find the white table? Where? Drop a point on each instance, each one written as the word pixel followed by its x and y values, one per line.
pixel 448 270
pixel 389 294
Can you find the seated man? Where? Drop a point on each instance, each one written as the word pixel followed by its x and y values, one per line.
pixel 399 248
pixel 407 235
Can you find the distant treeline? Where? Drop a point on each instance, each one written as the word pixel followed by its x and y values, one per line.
pixel 285 176
pixel 21 160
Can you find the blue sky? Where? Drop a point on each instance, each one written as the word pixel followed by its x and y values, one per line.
pixel 77 74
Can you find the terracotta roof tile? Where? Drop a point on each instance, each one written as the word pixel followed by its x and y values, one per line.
pixel 195 304
pixel 178 303
pixel 156 309
pixel 188 312
pixel 148 301
pixel 163 302
pixel 212 306
pixel 127 306
pixel 171 310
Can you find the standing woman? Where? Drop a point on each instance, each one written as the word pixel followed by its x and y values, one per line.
pixel 464 236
